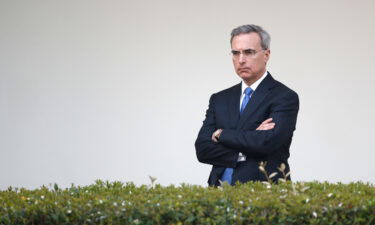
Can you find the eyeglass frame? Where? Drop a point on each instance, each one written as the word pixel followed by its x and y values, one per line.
pixel 247 53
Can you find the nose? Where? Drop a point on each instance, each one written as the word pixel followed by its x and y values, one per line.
pixel 242 58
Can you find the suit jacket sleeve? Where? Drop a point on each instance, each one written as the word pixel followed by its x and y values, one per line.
pixel 260 143
pixel 208 151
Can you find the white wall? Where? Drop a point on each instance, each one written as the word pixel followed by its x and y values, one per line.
pixel 117 90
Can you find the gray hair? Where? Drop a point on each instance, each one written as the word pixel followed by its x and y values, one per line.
pixel 265 38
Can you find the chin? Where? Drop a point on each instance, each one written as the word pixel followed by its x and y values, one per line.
pixel 246 76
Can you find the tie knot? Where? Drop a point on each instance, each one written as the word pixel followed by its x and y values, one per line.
pixel 248 91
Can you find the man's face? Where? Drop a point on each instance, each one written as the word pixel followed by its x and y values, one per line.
pixel 249 59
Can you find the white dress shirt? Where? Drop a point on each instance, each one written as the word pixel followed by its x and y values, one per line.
pixel 242 157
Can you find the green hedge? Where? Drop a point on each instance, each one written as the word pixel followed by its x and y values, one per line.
pixel 251 203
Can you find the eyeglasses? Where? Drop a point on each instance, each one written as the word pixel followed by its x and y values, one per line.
pixel 248 53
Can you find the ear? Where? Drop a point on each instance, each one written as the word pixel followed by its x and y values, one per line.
pixel 267 54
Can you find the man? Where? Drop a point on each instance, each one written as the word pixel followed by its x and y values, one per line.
pixel 251 122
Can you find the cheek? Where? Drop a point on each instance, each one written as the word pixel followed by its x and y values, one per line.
pixel 259 63
pixel 265 59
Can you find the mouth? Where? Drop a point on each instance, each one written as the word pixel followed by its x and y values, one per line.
pixel 244 69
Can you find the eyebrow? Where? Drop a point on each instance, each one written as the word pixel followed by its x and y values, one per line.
pixel 249 49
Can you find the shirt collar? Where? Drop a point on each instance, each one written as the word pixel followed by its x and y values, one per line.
pixel 254 85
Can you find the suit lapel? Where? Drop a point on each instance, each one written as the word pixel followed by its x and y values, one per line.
pixel 234 106
pixel 256 99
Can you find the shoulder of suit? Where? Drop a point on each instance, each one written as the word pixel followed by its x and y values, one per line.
pixel 229 90
pixel 282 87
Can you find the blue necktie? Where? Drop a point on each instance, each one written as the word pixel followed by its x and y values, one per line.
pixel 246 99
pixel 228 172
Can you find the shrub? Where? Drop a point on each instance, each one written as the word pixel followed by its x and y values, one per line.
pixel 250 203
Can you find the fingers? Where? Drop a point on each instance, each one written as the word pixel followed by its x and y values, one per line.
pixel 214 137
pixel 266 125
pixel 267 121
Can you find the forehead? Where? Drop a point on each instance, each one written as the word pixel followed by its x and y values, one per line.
pixel 246 41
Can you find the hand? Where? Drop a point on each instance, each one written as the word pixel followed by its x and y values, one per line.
pixel 216 135
pixel 266 125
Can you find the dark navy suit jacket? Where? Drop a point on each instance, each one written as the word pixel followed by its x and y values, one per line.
pixel 271 99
